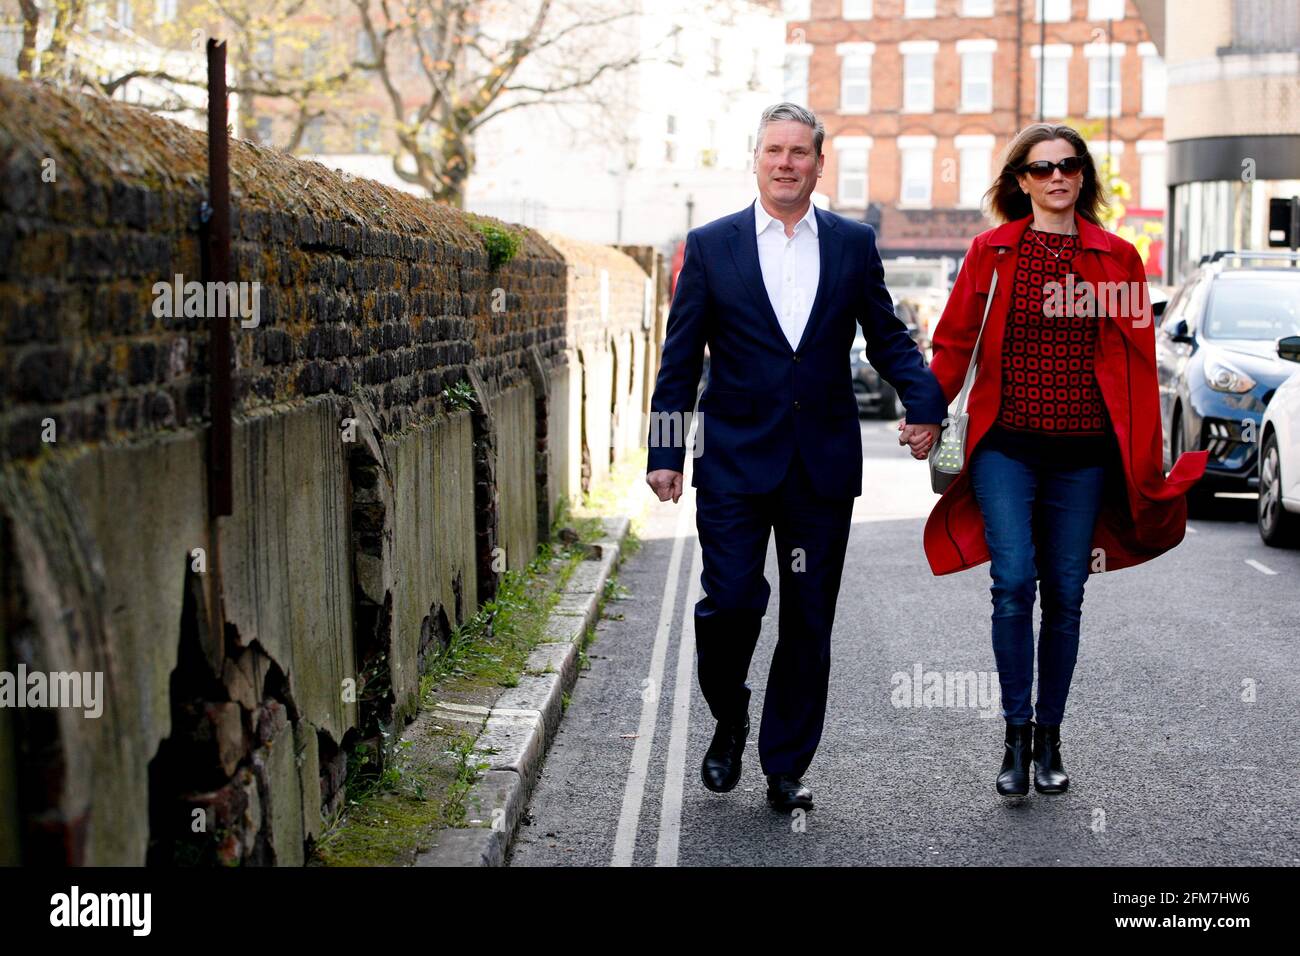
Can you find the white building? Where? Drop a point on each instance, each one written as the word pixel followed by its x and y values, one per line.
pixel 106 42
pixel 672 146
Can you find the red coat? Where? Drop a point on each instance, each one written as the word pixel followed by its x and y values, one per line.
pixel 1151 518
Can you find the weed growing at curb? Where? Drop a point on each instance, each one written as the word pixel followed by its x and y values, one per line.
pixel 394 806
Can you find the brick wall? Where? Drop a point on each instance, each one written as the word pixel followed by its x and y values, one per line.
pixel 1014 103
pixel 361 287
pixel 244 657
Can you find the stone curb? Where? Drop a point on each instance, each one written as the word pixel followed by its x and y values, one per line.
pixel 523 722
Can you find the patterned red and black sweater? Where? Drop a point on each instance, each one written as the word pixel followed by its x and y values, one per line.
pixel 1051 409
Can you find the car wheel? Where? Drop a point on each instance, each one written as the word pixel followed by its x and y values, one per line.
pixel 1277 526
pixel 891 406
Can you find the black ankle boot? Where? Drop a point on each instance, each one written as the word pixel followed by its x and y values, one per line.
pixel 1049 775
pixel 1013 780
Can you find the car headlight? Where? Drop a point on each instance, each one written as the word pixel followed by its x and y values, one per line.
pixel 1222 377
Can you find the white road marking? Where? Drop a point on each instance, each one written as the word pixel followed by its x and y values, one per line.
pixel 634 790
pixel 1261 568
pixel 670 813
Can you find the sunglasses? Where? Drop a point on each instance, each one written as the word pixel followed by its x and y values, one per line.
pixel 1042 169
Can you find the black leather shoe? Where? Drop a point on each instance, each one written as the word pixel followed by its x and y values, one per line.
pixel 721 767
pixel 785 793
pixel 1049 775
pixel 1013 779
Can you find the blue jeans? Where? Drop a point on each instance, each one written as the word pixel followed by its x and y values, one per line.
pixel 1038 522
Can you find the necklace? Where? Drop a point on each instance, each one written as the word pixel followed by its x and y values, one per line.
pixel 1034 232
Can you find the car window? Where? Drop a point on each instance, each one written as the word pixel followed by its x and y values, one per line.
pixel 1261 308
pixel 1174 307
pixel 1191 311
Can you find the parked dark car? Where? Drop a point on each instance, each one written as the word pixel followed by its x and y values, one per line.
pixel 876 396
pixel 1218 365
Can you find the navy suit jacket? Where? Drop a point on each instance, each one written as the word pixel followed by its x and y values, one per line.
pixel 765 399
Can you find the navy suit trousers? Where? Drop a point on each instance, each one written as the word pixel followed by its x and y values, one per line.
pixel 812 534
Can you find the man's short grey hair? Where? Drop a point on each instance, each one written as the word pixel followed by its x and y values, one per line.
pixel 792 111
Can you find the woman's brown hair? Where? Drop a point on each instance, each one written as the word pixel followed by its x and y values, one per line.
pixel 1006 200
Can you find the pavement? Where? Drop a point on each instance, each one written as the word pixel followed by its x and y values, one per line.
pixel 514 729
pixel 1179 736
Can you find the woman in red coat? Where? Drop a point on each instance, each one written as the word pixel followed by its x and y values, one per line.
pixel 1063 474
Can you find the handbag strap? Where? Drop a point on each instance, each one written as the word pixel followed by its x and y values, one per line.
pixel 970 370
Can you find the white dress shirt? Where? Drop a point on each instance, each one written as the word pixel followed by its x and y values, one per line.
pixel 791 267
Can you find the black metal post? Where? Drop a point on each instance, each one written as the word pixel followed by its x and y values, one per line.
pixel 216 238
pixel 1295 225
pixel 1110 91
pixel 1042 54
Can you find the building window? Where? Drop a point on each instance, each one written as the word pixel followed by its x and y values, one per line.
pixel 316 56
pixel 917 154
pixel 675 46
pixel 715 56
pixel 852 184
pixel 1260 26
pixel 855 86
pixel 1103 78
pixel 264 53
pixel 856 10
pixel 125 14
pixel 262 130
pixel 365 49
pixel 367 133
pixel 1152 172
pixel 1052 77
pixel 855 76
pixel 918 8
pixel 1153 80
pixel 1052 11
pixel 164 11
pixel 975 155
pixel 918 75
pixel 1104 151
pixel 977 8
pixel 796 9
pixel 670 138
pixel 796 73
pixel 313 135
pixel 976 75
pixel 1105 9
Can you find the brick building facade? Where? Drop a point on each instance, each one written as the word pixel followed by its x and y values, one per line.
pixel 920 97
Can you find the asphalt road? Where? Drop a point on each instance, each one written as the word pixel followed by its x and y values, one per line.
pixel 1180 735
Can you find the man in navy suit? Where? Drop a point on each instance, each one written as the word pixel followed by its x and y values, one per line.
pixel 774 291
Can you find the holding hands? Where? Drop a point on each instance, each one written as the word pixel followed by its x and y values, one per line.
pixel 920 438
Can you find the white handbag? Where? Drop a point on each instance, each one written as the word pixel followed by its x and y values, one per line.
pixel 948 456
